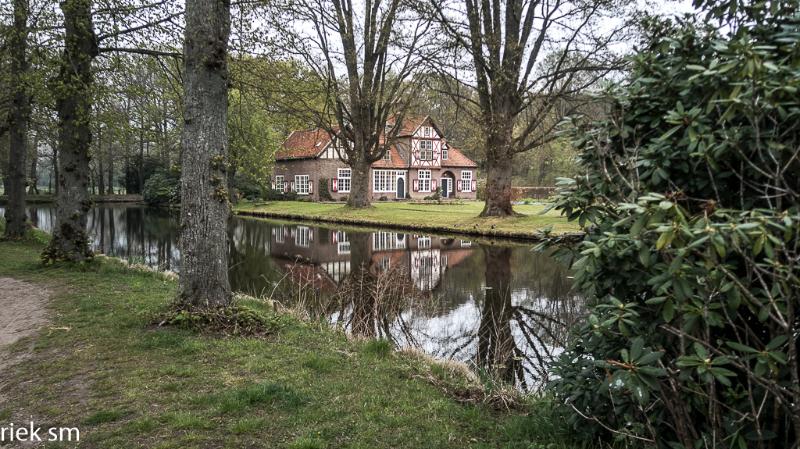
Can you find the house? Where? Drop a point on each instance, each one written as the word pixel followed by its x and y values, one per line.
pixel 416 165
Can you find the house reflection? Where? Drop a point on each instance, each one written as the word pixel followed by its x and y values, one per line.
pixel 325 257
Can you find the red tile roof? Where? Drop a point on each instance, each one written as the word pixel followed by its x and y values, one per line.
pixel 455 158
pixel 396 162
pixel 303 144
pixel 410 124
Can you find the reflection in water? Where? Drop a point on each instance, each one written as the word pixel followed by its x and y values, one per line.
pixel 505 310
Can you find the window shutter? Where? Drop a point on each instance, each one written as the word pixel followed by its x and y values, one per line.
pixel 416 185
pixel 310 186
pixel 433 185
pixel 291 186
pixel 458 185
pixel 334 184
pixel 474 186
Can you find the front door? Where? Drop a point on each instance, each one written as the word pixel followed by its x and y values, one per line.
pixel 401 188
pixel 446 187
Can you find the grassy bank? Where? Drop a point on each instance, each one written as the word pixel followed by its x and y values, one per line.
pixel 101 366
pixel 45 198
pixel 459 218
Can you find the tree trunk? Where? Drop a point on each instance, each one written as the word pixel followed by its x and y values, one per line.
pixel 499 166
pixel 33 175
pixel 498 187
pixel 204 200
pixel 359 185
pixel 101 186
pixel 16 225
pixel 54 171
pixel 74 105
pixel 110 164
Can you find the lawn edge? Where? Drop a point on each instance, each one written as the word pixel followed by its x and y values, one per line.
pixel 532 236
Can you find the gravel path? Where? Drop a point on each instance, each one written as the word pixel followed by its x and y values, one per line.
pixel 22 312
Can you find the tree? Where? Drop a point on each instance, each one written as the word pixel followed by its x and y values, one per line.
pixel 73 92
pixel 204 199
pixel 16 222
pixel 527 60
pixel 689 193
pixel 378 61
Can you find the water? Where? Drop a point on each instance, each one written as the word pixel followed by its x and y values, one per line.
pixel 502 309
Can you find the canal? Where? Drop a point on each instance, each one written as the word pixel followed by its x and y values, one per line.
pixel 501 308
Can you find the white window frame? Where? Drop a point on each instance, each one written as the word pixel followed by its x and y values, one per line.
pixel 302 236
pixel 466 180
pixel 280 183
pixel 384 181
pixel 445 154
pixel 305 190
pixel 424 181
pixel 426 150
pixel 388 155
pixel 343 174
pixel 424 242
pixel 426 131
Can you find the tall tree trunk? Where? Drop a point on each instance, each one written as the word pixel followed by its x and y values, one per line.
pixel 101 186
pixel 16 225
pixel 54 171
pixel 359 188
pixel 204 201
pixel 140 172
pixel 110 167
pixel 74 105
pixel 33 173
pixel 499 162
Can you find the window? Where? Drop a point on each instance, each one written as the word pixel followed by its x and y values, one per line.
pixel 384 181
pixel 426 150
pixel 279 183
pixel 388 155
pixel 424 242
pixel 382 241
pixel 466 181
pixel 343 183
pixel 280 234
pixel 424 177
pixel 445 153
pixel 302 236
pixel 301 184
pixel 426 131
pixel 342 243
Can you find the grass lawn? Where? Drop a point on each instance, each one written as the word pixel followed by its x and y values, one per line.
pixel 456 217
pixel 100 365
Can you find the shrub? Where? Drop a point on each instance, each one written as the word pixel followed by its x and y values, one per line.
pixel 247 187
pixel 690 263
pixel 435 196
pixel 324 193
pixel 162 188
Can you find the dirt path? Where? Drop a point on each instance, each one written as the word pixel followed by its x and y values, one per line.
pixel 22 312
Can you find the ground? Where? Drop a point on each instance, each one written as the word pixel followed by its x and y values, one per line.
pixel 461 217
pixel 102 365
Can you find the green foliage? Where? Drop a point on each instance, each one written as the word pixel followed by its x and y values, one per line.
pixel 247 187
pixel 690 198
pixel 162 188
pixel 324 193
